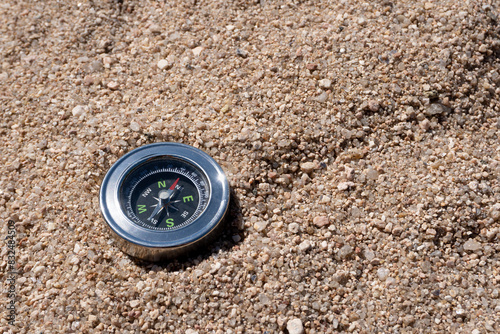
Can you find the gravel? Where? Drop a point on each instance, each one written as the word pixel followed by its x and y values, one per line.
pixel 360 140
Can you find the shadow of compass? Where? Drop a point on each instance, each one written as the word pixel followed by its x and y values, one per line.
pixel 229 236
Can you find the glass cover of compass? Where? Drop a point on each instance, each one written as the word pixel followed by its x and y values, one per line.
pixel 164 200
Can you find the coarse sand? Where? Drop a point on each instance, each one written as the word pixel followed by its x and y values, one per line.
pixel 360 140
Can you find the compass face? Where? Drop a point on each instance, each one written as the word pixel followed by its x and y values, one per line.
pixel 165 194
pixel 164 200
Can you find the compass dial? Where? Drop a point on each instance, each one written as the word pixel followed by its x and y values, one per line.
pixel 165 194
pixel 164 200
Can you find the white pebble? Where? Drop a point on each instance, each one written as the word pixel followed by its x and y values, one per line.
pixel 307 167
pixel 78 110
pixel 390 281
pixel 425 125
pixel 164 64
pixel 383 273
pixel 38 270
pixel 134 126
pixel 322 97
pixel 196 51
pixel 325 83
pixel 345 185
pixel 472 245
pixel 295 326
pixel 293 227
pixel 371 174
pixel 305 245
pixel 260 226
pixel 113 85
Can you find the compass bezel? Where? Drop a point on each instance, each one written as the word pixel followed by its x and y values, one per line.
pixel 150 244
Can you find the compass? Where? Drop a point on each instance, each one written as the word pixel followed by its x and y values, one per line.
pixel 164 200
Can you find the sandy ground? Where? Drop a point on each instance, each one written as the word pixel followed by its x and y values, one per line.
pixel 361 142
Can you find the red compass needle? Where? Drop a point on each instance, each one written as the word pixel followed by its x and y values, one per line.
pixel 172 187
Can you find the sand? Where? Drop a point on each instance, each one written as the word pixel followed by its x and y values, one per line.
pixel 360 140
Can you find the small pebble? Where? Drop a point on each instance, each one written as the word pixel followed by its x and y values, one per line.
pixel 260 226
pixel 408 320
pixel 345 251
pixel 321 221
pixel 295 326
pixel 373 105
pixel 495 212
pixel 134 126
pixel 164 64
pixel 371 174
pixel 293 227
pixel 88 80
pixel 312 67
pixel 472 245
pixel 96 66
pixel 305 246
pixel 38 270
pixel 383 273
pixel 325 83
pixel 425 125
pixel 196 52
pixel 155 29
pixel 322 97
pixel 369 255
pixel 242 53
pixel 345 185
pixel 436 109
pixel 308 167
pixel 78 111
pixel 113 85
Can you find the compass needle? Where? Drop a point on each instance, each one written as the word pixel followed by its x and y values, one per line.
pixel 171 197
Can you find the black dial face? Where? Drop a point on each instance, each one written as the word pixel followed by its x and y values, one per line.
pixel 164 193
